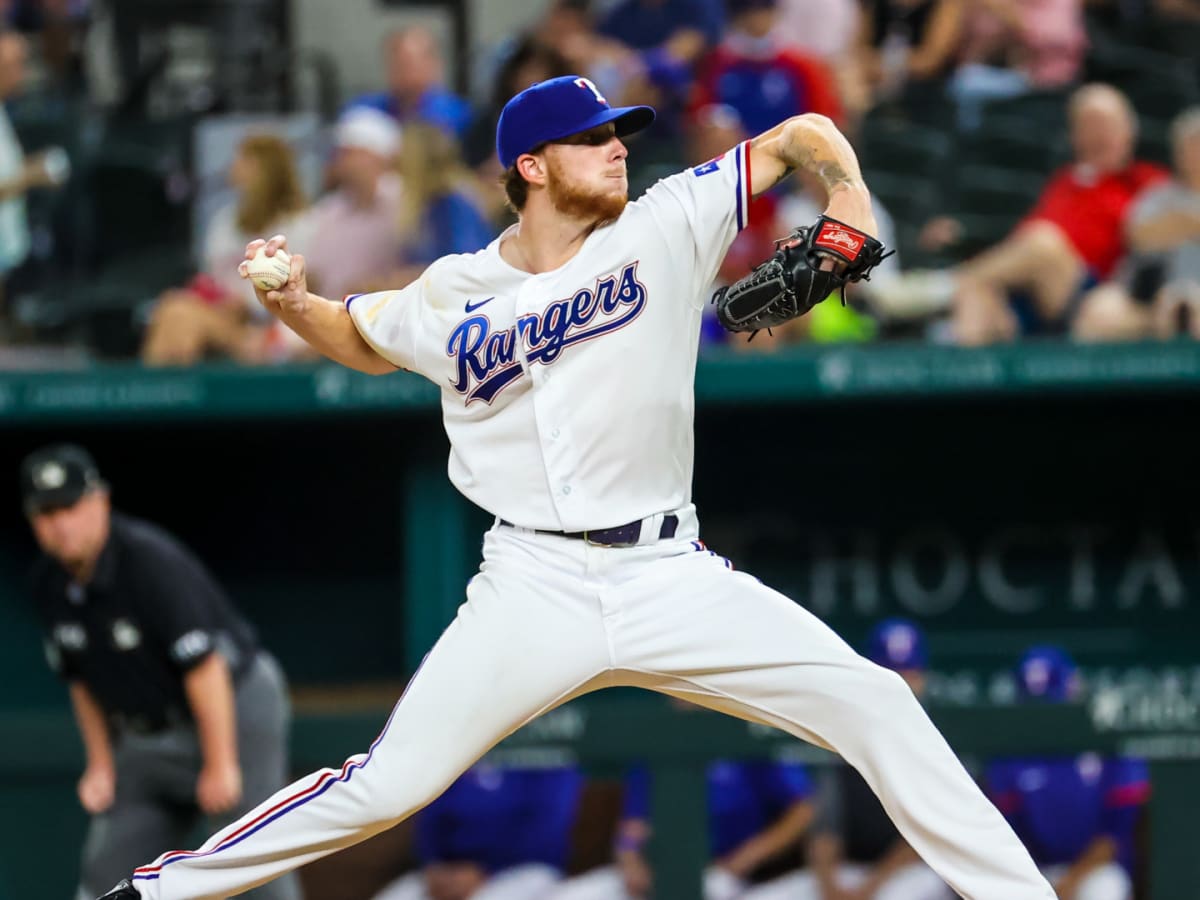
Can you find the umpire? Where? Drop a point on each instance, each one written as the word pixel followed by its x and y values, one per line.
pixel 180 711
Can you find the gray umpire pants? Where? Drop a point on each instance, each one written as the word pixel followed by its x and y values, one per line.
pixel 155 807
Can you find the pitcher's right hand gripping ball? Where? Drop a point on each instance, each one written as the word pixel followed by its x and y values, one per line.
pixel 267 263
pixel 269 273
pixel 792 281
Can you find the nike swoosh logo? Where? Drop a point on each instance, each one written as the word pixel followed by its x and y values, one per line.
pixel 471 307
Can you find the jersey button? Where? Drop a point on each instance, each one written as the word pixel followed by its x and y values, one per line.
pixel 555 433
pixel 566 489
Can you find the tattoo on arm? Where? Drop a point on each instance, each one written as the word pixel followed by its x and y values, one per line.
pixel 819 153
pixel 820 161
pixel 832 174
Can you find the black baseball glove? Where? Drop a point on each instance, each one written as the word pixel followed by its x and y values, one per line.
pixel 792 282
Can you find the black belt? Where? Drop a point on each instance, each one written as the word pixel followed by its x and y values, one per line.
pixel 620 536
pixel 147 725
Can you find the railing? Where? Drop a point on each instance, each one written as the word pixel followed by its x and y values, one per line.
pixel 802 374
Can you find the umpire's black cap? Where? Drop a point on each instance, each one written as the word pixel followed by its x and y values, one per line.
pixel 57 476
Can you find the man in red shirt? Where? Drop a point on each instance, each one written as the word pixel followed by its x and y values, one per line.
pixel 1156 292
pixel 1073 236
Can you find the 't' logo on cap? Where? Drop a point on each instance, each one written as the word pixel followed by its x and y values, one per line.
pixel 587 83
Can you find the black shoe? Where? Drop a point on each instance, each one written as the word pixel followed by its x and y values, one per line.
pixel 123 891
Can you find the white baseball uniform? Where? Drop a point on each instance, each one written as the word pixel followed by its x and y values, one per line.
pixel 568 400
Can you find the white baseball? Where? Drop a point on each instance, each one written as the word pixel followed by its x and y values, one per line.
pixel 269 273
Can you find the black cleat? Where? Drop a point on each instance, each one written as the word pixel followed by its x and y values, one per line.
pixel 123 891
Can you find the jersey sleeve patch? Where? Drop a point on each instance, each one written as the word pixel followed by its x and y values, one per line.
pixel 191 647
pixel 709 167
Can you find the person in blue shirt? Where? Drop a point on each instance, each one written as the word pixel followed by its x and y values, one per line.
pixel 495 834
pixel 440 212
pixel 756 811
pixel 652 24
pixel 1076 815
pixel 669 38
pixel 416 89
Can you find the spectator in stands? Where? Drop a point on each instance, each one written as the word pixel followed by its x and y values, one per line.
pixel 828 30
pixel 215 313
pixel 526 62
pixel 1033 280
pixel 908 47
pixel 416 83
pixel 354 229
pixel 669 38
pixel 1158 292
pixel 495 834
pixel 855 851
pixel 670 34
pixel 765 81
pixel 1076 815
pixel 530 60
pixel 569 29
pixel 59 27
pixel 440 211
pixel 18 174
pixel 1011 48
pixel 757 811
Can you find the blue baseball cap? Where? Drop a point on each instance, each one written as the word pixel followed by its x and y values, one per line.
pixel 898 644
pixel 1046 672
pixel 556 108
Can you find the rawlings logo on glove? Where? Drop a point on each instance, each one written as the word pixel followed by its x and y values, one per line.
pixel 840 239
pixel 792 281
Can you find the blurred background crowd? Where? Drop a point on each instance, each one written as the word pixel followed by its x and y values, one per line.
pixel 1035 162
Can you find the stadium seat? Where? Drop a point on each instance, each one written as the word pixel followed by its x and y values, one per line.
pixel 910 199
pixel 1041 112
pixel 1009 141
pixel 1159 84
pixel 900 147
pixel 981 230
pixel 1154 141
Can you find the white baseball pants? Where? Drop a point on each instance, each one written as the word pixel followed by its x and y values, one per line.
pixel 550 618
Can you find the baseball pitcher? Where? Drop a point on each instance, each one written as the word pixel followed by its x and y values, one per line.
pixel 566 352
